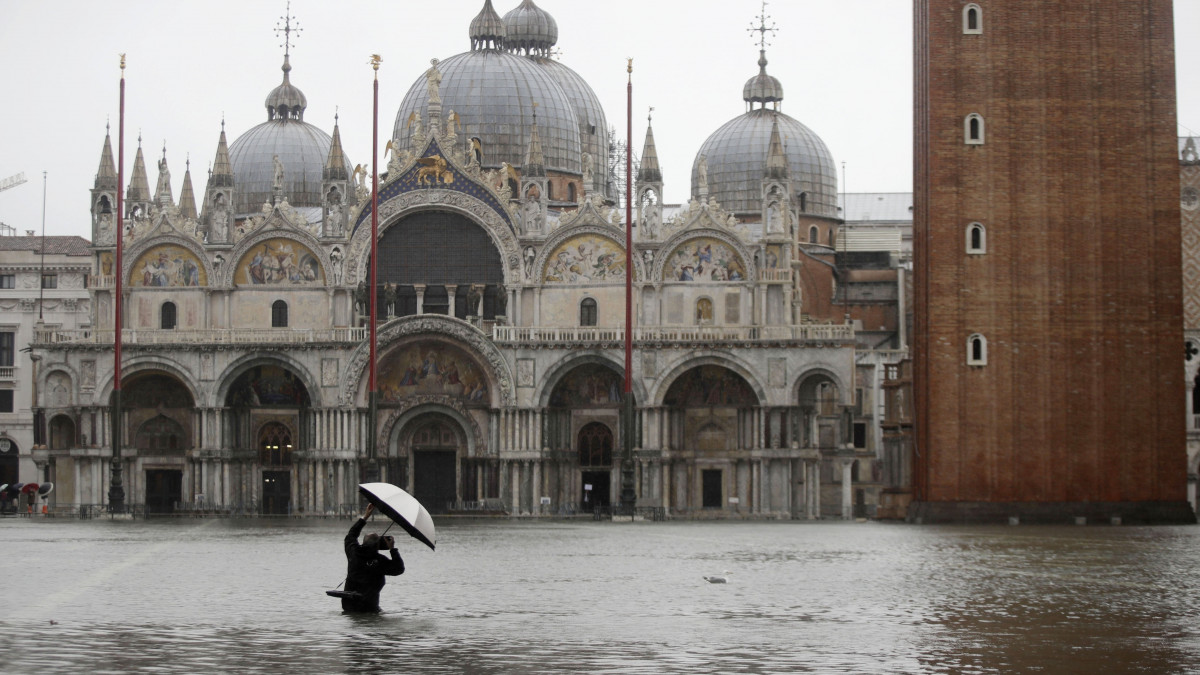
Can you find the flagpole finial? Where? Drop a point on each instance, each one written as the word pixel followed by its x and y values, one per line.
pixel 122 66
pixel 375 61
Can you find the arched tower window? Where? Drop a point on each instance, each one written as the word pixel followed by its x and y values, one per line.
pixel 972 19
pixel 977 350
pixel 814 235
pixel 167 316
pixel 976 238
pixel 275 445
pixel 973 130
pixel 803 202
pixel 587 312
pixel 279 314
pixel 570 192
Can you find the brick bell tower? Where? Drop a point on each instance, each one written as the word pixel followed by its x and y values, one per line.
pixel 1047 260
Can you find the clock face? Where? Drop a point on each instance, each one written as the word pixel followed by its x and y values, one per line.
pixel 1189 198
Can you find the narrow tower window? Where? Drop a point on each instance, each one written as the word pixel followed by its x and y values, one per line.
pixel 976 350
pixel 279 314
pixel 973 129
pixel 167 316
pixel 972 19
pixel 976 238
pixel 814 235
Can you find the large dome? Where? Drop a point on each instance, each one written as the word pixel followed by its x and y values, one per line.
pixel 301 147
pixel 593 125
pixel 493 93
pixel 736 155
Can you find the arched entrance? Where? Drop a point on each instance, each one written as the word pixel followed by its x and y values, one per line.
pixel 268 406
pixel 434 441
pixel 10 466
pixel 62 433
pixel 595 447
pixel 158 412
pixel 275 455
pixel 819 400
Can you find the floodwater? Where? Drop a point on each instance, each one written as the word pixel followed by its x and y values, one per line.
pixel 547 597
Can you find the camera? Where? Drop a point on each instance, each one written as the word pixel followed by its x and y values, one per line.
pixel 386 543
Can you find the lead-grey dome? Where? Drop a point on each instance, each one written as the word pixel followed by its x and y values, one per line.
pixel 301 147
pixel 737 160
pixel 589 114
pixel 493 93
pixel 530 29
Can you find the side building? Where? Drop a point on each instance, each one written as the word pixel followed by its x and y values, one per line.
pixel 42 287
pixel 1046 251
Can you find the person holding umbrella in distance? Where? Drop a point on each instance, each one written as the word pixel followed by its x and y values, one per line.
pixel 367 567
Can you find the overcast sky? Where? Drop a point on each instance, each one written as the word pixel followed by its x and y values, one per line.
pixel 846 69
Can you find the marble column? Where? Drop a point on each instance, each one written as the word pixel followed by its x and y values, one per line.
pixel 420 288
pixel 847 497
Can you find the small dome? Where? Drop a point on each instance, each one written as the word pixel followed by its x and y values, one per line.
pixel 493 93
pixel 530 29
pixel 593 125
pixel 487 29
pixel 736 155
pixel 302 149
pixel 286 102
pixel 762 88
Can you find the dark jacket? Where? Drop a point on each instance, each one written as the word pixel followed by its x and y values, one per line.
pixel 366 570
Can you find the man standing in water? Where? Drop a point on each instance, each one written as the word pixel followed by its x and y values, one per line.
pixel 367 568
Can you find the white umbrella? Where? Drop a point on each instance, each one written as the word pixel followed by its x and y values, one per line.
pixel 402 508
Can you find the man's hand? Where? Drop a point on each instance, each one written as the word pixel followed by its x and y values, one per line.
pixel 370 509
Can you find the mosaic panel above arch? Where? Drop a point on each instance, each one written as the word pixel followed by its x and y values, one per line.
pixel 588 385
pixel 431 367
pixel 704 259
pixel 168 266
pixel 585 258
pixel 279 262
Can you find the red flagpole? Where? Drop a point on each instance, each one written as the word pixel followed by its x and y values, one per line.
pixel 116 491
pixel 629 231
pixel 372 392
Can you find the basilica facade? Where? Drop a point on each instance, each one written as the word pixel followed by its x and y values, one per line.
pixel 500 306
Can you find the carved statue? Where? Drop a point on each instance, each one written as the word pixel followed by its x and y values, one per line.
pixel 648 259
pixel 433 81
pixel 530 255
pixel 389 298
pixel 335 262
pixel 278 173
pixel 362 191
pixel 531 215
pixel 477 150
pixel 453 125
pixel 702 173
pixel 587 171
pixel 501 302
pixel 474 295
pixel 164 180
pixel 416 130
pixel 434 169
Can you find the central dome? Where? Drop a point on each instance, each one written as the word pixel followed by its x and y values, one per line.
pixel 493 92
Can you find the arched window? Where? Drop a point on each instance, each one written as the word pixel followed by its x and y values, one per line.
pixel 279 314
pixel 587 312
pixel 976 350
pixel 832 238
pixel 595 445
pixel 976 238
pixel 814 235
pixel 62 433
pixel 973 129
pixel 972 19
pixel 159 435
pixel 570 192
pixel 704 312
pixel 275 445
pixel 550 190
pixel 803 202
pixel 167 316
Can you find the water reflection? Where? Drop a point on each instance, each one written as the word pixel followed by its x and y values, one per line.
pixel 502 597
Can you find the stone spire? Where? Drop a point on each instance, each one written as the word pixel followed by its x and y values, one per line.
pixel 106 175
pixel 222 169
pixel 535 162
pixel 139 184
pixel 162 191
pixel 777 163
pixel 487 29
pixel 187 198
pixel 648 171
pixel 335 162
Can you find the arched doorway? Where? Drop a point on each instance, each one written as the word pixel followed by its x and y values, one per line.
pixel 62 433
pixel 450 257
pixel 10 466
pixel 158 409
pixel 819 400
pixel 275 455
pixel 434 441
pixel 595 448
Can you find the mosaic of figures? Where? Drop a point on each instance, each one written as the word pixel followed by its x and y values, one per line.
pixel 429 367
pixel 168 266
pixel 279 262
pixel 588 385
pixel 586 258
pixel 704 259
pixel 267 385
pixel 710 386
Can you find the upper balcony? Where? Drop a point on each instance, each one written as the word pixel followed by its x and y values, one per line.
pixel 215 336
pixel 8 373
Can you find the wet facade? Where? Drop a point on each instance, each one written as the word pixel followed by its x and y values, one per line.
pixel 501 290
